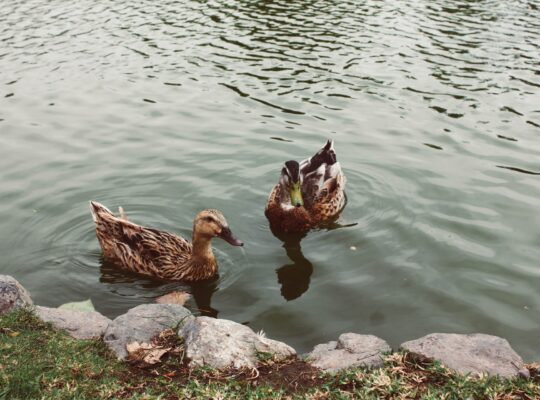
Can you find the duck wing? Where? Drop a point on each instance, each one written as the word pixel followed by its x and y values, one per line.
pixel 331 198
pixel 325 156
pixel 143 250
pixel 320 174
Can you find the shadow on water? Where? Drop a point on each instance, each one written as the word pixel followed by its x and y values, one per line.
pixel 201 291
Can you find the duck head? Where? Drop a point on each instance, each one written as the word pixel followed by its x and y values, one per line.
pixel 211 223
pixel 291 181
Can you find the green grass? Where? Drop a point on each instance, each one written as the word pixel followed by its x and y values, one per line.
pixel 38 362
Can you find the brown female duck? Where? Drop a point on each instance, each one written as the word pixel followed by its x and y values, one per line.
pixel 308 193
pixel 161 254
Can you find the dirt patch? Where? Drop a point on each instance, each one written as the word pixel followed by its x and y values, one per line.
pixel 292 375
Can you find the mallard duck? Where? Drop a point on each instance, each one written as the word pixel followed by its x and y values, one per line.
pixel 308 193
pixel 161 254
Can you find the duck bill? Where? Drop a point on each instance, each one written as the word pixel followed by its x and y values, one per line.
pixel 227 235
pixel 296 196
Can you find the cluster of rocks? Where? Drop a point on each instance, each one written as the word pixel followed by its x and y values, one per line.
pixel 221 344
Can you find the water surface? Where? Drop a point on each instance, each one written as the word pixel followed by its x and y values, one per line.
pixel 169 107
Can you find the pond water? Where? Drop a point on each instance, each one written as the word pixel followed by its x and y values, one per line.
pixel 169 107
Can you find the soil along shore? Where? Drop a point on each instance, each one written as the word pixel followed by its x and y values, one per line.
pixel 163 350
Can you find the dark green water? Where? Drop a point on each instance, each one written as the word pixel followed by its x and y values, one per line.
pixel 169 107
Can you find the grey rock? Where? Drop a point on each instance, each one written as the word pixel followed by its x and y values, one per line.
pixel 220 344
pixel 12 295
pixel 142 323
pixel 524 373
pixel 79 324
pixel 350 350
pixel 469 354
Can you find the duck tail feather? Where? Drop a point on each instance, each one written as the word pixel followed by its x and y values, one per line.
pixel 329 146
pixel 98 209
pixel 122 213
pixel 326 155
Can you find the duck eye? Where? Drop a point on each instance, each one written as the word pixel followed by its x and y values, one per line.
pixel 208 219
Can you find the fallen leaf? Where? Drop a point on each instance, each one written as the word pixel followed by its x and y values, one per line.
pixel 14 334
pixel 146 352
pixel 174 298
pixel 153 356
pixel 136 346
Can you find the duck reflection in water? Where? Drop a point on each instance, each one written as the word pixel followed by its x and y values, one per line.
pixel 201 291
pixel 295 278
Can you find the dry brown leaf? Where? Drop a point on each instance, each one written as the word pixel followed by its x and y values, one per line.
pixel 136 346
pixel 174 298
pixel 153 356
pixel 145 352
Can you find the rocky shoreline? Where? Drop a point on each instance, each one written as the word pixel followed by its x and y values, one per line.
pixel 221 344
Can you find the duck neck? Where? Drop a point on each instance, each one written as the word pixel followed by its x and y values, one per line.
pixel 202 249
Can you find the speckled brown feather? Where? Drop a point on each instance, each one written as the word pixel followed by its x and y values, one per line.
pixel 287 220
pixel 330 201
pixel 149 251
